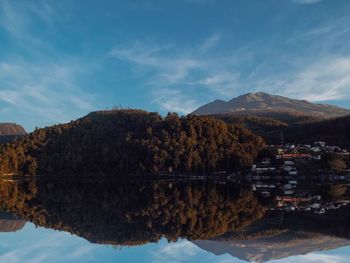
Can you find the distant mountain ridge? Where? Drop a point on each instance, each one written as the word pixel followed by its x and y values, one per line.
pixel 10 223
pixel 10 131
pixel 264 104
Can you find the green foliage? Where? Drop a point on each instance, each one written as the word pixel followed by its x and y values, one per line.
pixel 132 141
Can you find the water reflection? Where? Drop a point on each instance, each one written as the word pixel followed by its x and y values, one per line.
pixel 221 217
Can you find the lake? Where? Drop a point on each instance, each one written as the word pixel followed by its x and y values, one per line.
pixel 171 220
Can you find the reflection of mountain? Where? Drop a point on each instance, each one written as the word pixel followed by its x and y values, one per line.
pixel 10 222
pixel 273 247
pixel 279 236
pixel 132 212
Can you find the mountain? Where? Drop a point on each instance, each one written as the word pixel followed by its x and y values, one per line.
pixel 132 141
pixel 10 131
pixel 266 105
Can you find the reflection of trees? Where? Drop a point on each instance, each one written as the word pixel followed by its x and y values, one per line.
pixel 130 213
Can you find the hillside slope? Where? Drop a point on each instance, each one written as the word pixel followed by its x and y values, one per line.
pixel 333 131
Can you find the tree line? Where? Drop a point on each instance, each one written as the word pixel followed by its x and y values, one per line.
pixel 132 141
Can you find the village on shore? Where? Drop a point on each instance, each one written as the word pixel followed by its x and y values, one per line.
pixel 303 177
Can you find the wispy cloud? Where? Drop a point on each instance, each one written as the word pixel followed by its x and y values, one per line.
pixel 38 82
pixel 178 76
pixel 156 57
pixel 307 2
pixel 177 252
pixel 210 42
pixel 173 100
pixel 326 79
pixel 49 246
pixel 174 75
pixel 46 90
pixel 20 19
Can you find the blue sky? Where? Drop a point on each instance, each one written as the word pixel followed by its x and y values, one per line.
pixel 40 245
pixel 60 60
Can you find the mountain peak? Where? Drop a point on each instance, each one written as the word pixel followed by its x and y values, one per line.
pixel 261 102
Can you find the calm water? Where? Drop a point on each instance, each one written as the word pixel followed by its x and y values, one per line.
pixel 169 221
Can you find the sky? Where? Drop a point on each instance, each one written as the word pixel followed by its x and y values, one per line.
pixel 62 247
pixel 60 60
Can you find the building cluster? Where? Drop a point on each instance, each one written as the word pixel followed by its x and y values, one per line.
pixel 282 178
pixel 311 203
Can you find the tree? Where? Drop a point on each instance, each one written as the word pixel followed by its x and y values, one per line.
pixel 337 191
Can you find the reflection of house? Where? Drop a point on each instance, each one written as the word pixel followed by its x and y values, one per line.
pixel 315 149
pixel 293 172
pixel 263 169
pixel 320 143
pixel 291 199
pixel 295 155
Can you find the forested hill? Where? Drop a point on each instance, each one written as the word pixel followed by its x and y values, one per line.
pixel 10 131
pixel 132 141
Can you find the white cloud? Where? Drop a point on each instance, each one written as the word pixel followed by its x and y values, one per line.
pixel 224 83
pixel 35 80
pixel 18 19
pixel 173 100
pixel 49 246
pixel 49 90
pixel 155 57
pixel 177 252
pixel 307 2
pixel 327 78
pixel 175 75
pixel 210 42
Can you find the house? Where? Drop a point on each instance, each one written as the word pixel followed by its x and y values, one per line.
pixel 295 155
pixel 315 149
pixel 288 168
pixel 265 161
pixel 264 169
pixel 293 172
pixel 320 143
pixel 288 192
pixel 288 163
pixel 288 186
pixel 317 157
pixel 320 211
pixel 315 206
pixel 293 182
